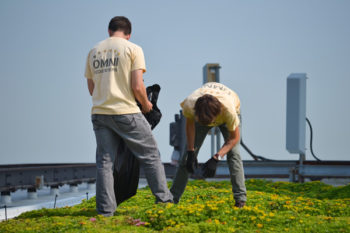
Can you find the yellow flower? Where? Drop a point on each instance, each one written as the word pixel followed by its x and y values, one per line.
pixel 259 225
pixel 232 229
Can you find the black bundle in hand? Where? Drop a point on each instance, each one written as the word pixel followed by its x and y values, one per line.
pixel 153 117
pixel 209 168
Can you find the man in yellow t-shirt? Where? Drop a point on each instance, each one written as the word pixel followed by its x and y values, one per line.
pixel 114 72
pixel 212 105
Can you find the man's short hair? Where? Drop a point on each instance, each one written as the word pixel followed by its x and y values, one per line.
pixel 120 23
pixel 207 108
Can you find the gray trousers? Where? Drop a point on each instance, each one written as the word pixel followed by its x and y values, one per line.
pixel 234 162
pixel 135 131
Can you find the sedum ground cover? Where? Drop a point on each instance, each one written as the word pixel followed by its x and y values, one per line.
pixel 206 207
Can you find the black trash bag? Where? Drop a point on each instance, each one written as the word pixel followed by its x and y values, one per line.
pixel 126 174
pixel 208 169
pixel 127 169
pixel 153 117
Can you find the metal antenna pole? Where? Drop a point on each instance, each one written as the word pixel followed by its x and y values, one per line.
pixel 211 74
pixel 301 167
pixel 54 205
pixel 212 131
pixel 5 212
pixel 218 141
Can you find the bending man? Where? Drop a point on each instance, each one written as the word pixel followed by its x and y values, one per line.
pixel 209 106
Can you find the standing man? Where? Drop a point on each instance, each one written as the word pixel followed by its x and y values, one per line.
pixel 114 72
pixel 209 106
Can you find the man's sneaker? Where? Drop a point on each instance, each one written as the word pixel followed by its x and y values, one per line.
pixel 240 204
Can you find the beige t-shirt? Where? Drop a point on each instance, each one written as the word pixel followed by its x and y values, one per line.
pixel 228 98
pixel 109 64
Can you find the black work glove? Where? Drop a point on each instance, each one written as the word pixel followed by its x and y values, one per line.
pixel 192 162
pixel 209 168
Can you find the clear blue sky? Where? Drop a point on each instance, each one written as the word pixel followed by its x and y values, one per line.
pixel 45 105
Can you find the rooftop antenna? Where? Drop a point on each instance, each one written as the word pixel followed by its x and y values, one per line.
pixel 296 115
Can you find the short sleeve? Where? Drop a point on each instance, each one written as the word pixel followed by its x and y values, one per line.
pixel 138 60
pixel 232 121
pixel 88 71
pixel 187 109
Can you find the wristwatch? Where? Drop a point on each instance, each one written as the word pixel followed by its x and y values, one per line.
pixel 217 157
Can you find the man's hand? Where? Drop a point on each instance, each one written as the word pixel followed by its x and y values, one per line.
pixel 209 168
pixel 192 162
pixel 147 107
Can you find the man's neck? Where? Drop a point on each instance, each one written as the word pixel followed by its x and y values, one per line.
pixel 119 34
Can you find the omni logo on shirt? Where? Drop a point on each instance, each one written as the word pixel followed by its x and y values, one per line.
pixel 102 65
pixel 217 87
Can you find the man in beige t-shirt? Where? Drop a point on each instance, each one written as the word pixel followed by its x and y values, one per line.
pixel 212 105
pixel 114 72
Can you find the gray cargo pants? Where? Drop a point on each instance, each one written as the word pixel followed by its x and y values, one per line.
pixel 135 131
pixel 234 162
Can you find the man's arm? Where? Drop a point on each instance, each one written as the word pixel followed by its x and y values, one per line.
pixel 191 160
pixel 91 85
pixel 230 143
pixel 139 90
pixel 190 133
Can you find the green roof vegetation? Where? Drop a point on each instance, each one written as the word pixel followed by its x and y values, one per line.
pixel 206 207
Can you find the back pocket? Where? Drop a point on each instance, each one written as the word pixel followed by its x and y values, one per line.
pixel 125 122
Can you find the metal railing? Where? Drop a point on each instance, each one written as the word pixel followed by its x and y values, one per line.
pixel 33 176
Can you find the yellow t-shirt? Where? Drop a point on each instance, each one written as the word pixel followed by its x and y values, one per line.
pixel 228 98
pixel 109 64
